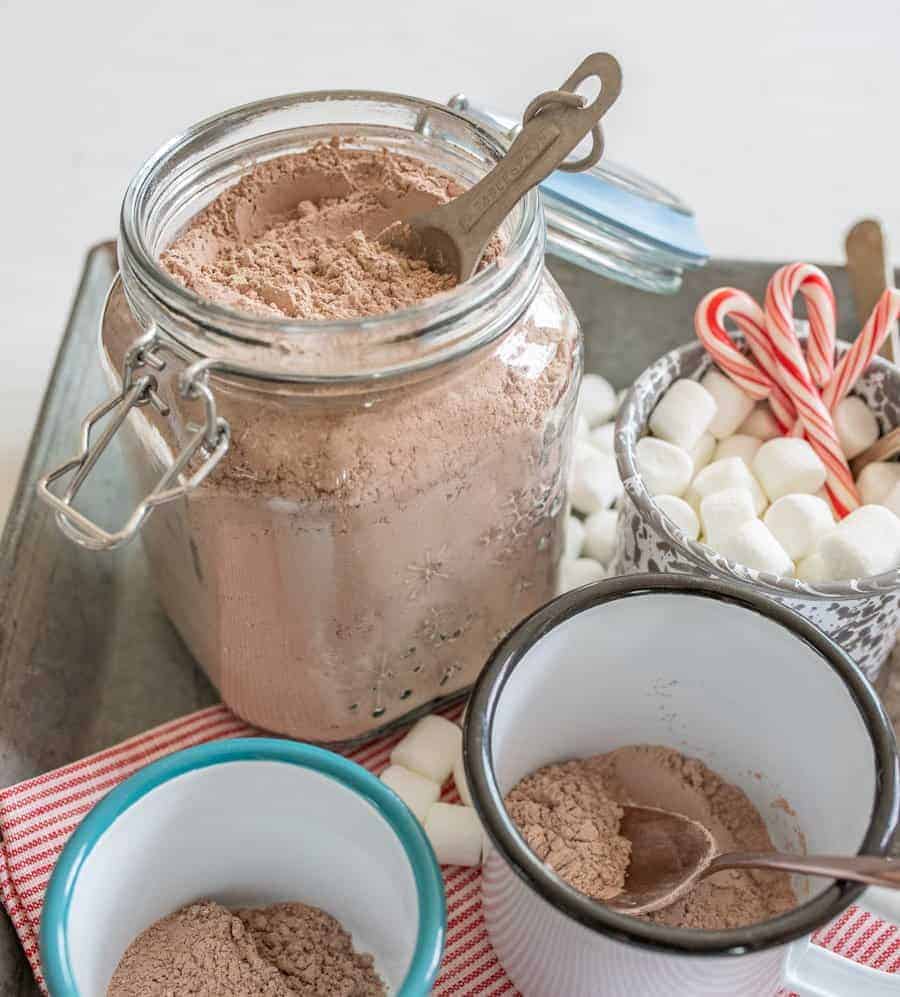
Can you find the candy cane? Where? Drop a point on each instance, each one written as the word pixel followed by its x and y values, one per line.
pixel 854 362
pixel 757 378
pixel 821 310
pixel 796 379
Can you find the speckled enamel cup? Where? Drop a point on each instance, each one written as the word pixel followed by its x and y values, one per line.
pixel 861 615
pixel 246 822
pixel 719 672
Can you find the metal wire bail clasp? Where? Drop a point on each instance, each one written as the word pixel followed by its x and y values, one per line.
pixel 211 440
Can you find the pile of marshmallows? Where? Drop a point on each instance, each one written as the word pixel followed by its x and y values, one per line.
pixel 420 765
pixel 594 486
pixel 718 467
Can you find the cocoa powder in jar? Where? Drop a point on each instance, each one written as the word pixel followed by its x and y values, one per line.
pixel 357 556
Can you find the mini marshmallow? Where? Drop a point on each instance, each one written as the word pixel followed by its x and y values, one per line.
pixel 455 834
pixel 788 464
pixel 664 468
pixel 582 429
pixel 877 480
pixel 753 545
pixel 683 414
pixel 597 401
pixel 602 437
pixel 722 513
pixel 892 500
pixel 761 424
pixel 417 792
pixel 702 451
pixel 681 514
pixel 813 569
pixel 732 405
pixel 574 537
pixel 460 781
pixel 580 571
pixel 799 522
pixel 740 445
pixel 430 748
pixel 594 482
pixel 600 535
pixel 721 474
pixel 856 426
pixel 867 542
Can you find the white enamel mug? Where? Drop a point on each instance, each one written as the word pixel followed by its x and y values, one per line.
pixel 716 671
pixel 245 822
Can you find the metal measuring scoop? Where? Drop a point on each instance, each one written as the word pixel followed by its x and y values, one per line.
pixel 671 853
pixel 453 236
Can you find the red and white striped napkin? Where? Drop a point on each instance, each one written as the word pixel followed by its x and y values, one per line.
pixel 37 817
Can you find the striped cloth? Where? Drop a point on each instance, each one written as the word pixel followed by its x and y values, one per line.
pixel 37 817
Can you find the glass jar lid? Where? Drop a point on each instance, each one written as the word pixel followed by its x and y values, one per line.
pixel 609 219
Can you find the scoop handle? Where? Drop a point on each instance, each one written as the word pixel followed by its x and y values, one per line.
pixel 553 124
pixel 858 869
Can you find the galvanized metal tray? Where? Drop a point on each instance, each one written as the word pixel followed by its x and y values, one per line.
pixel 87 656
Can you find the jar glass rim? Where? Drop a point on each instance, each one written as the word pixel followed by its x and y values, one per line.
pixel 157 291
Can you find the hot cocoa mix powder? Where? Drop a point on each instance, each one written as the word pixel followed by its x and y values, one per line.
pixel 283 950
pixel 296 237
pixel 569 815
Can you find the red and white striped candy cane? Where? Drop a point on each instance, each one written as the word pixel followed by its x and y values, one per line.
pixel 854 362
pixel 796 379
pixel 821 310
pixel 758 378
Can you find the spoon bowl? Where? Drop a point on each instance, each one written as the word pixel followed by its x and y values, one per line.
pixel 671 853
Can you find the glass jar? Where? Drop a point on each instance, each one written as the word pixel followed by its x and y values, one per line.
pixel 346 515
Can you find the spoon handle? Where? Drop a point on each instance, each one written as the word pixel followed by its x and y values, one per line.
pixel 858 869
pixel 554 123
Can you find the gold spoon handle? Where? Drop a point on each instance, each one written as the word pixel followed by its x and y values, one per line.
pixel 859 869
pixel 553 124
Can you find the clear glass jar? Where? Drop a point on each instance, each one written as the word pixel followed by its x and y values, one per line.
pixel 392 497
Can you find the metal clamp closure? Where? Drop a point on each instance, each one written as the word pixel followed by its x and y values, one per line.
pixel 211 441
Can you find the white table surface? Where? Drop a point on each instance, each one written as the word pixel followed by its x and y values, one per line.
pixel 776 121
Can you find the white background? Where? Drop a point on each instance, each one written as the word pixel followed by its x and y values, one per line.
pixel 775 120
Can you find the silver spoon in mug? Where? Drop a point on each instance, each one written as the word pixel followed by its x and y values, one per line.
pixel 671 853
pixel 453 236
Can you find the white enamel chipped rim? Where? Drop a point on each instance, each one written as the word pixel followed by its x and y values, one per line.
pixel 488 799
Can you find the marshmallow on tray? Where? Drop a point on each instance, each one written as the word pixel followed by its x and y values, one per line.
pixel 598 400
pixel 702 451
pixel 665 469
pixel 430 748
pixel 683 414
pixel 798 522
pixel 740 445
pixel 455 834
pixel 600 535
pixel 594 483
pixel 732 405
pixel 731 472
pixel 754 546
pixel 417 792
pixel 892 500
pixel 856 426
pixel 867 542
pixel 760 423
pixel 577 572
pixel 602 437
pixel 574 537
pixel 681 514
pixel 788 464
pixel 877 480
pixel 460 781
pixel 722 513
